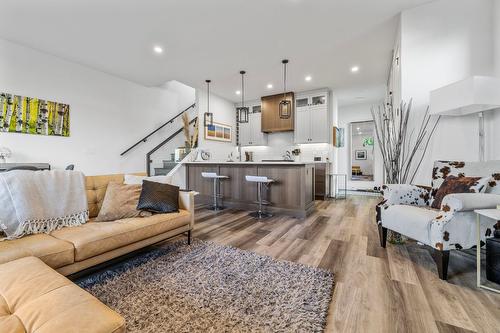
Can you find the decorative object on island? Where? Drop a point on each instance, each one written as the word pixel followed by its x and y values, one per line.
pixel 28 115
pixel 360 154
pixel 242 111
pixel 4 154
pixel 338 137
pixel 208 117
pixel 219 132
pixel 285 106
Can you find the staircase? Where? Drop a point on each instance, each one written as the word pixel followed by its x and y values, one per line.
pixel 176 138
pixel 168 165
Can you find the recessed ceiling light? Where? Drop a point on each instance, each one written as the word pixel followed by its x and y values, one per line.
pixel 238 92
pixel 357 128
pixel 269 86
pixel 308 78
pixel 355 69
pixel 158 49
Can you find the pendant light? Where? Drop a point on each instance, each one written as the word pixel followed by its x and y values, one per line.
pixel 208 117
pixel 242 111
pixel 285 107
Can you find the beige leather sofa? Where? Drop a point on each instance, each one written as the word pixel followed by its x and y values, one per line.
pixel 70 250
pixel 35 298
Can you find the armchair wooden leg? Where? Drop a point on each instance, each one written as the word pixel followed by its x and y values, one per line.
pixel 190 237
pixel 382 233
pixel 442 258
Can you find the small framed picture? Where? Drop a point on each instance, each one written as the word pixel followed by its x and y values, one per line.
pixel 360 154
pixel 219 132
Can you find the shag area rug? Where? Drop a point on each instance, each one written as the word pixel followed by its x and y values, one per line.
pixel 207 287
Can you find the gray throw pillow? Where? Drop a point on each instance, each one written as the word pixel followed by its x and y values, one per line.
pixel 159 198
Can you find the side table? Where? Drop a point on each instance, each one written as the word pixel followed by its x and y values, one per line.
pixel 491 214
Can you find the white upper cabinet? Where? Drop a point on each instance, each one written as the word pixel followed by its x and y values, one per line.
pixel 251 133
pixel 312 122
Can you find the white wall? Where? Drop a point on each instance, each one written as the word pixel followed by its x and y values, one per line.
pixel 443 42
pixel 224 112
pixel 186 95
pixel 347 115
pixel 496 35
pixel 108 114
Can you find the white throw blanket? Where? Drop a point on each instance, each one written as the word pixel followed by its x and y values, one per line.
pixel 41 201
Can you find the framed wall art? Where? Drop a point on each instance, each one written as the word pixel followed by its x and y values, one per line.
pixel 219 132
pixel 28 115
pixel 360 154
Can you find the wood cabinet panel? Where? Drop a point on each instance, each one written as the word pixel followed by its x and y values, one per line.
pixel 287 187
pixel 236 187
pixel 292 193
pixel 271 121
pixel 202 185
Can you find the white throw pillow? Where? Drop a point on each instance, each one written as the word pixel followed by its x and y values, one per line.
pixel 137 180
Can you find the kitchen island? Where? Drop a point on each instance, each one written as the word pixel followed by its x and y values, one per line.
pixel 291 193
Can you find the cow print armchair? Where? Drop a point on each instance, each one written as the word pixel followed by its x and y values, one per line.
pixel 445 223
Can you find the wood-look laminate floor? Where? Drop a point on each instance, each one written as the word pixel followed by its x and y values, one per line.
pixel 376 290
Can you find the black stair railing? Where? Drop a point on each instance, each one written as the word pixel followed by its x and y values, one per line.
pixel 156 130
pixel 161 144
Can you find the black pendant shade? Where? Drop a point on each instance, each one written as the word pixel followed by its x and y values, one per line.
pixel 208 117
pixel 242 111
pixel 285 107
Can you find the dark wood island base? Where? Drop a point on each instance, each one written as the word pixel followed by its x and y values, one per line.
pixel 291 194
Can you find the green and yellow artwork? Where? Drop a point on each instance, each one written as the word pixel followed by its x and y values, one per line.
pixel 28 115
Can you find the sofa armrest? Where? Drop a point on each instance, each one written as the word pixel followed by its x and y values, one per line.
pixel 405 194
pixel 186 201
pixel 463 202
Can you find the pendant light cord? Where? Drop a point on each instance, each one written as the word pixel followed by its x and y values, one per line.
pixel 284 80
pixel 285 62
pixel 242 90
pixel 208 96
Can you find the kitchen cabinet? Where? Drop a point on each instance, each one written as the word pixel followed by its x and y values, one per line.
pixel 251 133
pixel 271 121
pixel 312 121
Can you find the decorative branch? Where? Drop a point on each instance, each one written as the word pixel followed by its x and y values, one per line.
pixel 397 143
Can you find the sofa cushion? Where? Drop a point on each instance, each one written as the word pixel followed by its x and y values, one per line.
pixel 54 252
pixel 95 187
pixel 35 298
pixel 94 238
pixel 411 221
pixel 120 202
pixel 159 198
pixel 461 184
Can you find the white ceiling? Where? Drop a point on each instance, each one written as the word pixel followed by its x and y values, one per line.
pixel 216 39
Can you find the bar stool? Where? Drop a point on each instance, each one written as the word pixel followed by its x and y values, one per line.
pixel 262 181
pixel 216 179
